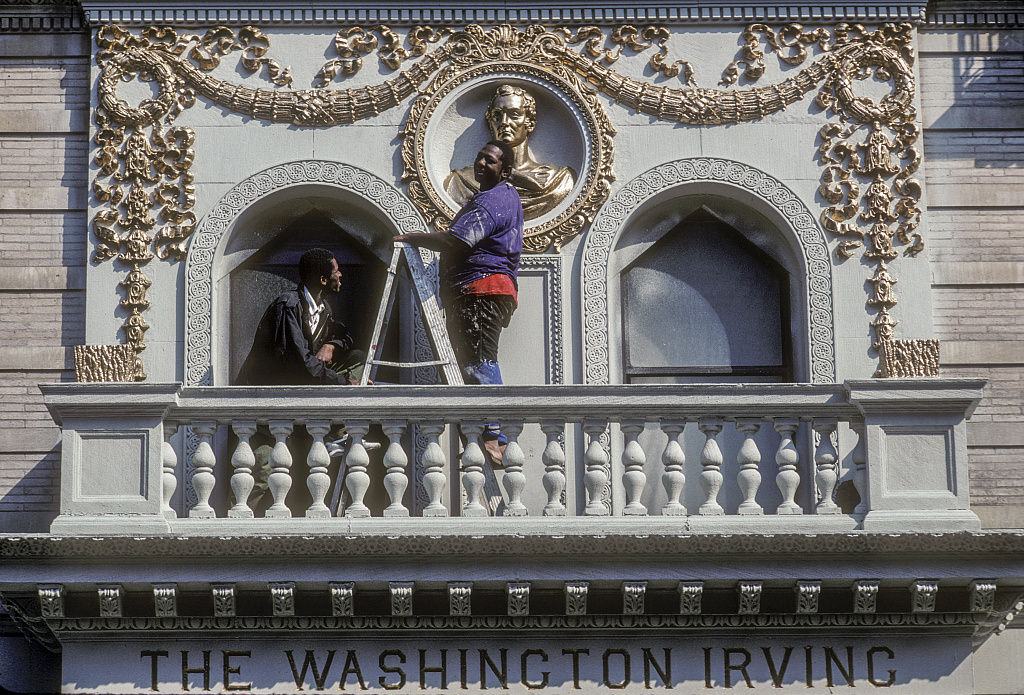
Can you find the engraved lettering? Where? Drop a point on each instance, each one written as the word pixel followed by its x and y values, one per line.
pixel 309 663
pixel 392 669
pixel 778 673
pixel 524 666
pixel 625 668
pixel 707 667
pixel 576 664
pixel 351 667
pixel 729 667
pixel 486 662
pixel 229 669
pixel 442 669
pixel 871 667
pixel 664 670
pixel 830 658
pixel 153 655
pixel 808 666
pixel 187 670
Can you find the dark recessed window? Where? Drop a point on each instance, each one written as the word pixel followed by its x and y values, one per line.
pixel 274 269
pixel 703 304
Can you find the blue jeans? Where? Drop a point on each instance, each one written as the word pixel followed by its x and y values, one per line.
pixel 474 325
pixel 486 372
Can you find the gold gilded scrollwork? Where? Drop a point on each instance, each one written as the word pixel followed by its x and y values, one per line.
pixel 869 155
pixel 868 151
pixel 144 182
pixel 353 42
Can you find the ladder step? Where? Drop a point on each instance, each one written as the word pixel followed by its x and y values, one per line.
pixel 408 365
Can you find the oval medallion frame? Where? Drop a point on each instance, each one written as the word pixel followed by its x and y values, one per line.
pixel 596 131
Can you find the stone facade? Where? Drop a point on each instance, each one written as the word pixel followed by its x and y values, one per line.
pixel 964 289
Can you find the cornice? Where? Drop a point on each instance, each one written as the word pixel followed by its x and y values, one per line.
pixel 355 542
pixel 975 13
pixel 40 17
pixel 396 12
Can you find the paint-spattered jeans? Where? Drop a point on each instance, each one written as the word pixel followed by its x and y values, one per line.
pixel 474 325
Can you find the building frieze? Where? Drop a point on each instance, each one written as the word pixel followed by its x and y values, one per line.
pixel 268 12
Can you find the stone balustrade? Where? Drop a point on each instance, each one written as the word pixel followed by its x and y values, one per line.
pixel 160 458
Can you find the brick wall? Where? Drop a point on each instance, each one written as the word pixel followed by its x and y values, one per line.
pixel 972 94
pixel 44 152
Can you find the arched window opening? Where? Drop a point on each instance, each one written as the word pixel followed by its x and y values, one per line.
pixel 704 304
pixel 274 268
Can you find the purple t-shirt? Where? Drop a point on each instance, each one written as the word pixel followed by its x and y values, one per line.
pixel 491 225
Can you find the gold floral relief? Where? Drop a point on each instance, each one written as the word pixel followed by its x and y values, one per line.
pixel 867 150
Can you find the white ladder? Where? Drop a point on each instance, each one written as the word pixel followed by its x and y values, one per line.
pixel 432 320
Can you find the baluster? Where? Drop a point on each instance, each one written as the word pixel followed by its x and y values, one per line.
pixel 203 461
pixel 473 470
pixel 554 467
pixel 633 460
pixel 514 479
pixel 749 477
pixel 711 463
pixel 280 480
pixel 860 463
pixel 318 460
pixel 168 481
pixel 356 462
pixel 788 460
pixel 242 462
pixel 673 459
pixel 396 479
pixel 434 463
pixel 596 461
pixel 826 458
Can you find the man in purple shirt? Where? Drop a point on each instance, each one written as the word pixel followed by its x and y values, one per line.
pixel 480 256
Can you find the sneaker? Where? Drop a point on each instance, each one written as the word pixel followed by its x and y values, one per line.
pixel 338 447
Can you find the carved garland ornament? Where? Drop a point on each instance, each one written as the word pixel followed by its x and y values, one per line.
pixel 145 162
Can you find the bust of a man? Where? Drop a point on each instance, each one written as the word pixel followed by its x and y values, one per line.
pixel 511 117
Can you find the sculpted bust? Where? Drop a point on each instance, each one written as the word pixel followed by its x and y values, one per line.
pixel 511 117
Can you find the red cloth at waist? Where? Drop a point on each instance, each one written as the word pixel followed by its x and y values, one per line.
pixel 498 283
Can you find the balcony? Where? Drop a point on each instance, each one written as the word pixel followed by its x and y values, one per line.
pixel 150 458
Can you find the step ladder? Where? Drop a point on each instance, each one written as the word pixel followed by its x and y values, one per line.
pixel 429 310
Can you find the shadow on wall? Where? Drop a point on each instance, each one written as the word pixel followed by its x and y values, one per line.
pixel 988 92
pixel 31 504
pixel 25 667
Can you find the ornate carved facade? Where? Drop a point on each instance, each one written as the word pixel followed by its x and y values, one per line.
pixel 867 149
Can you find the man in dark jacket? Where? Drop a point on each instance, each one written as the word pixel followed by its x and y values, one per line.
pixel 298 341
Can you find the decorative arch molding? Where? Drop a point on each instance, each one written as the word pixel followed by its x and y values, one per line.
pixel 214 229
pixel 613 217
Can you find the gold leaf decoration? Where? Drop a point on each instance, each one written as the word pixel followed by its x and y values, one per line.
pixel 868 150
